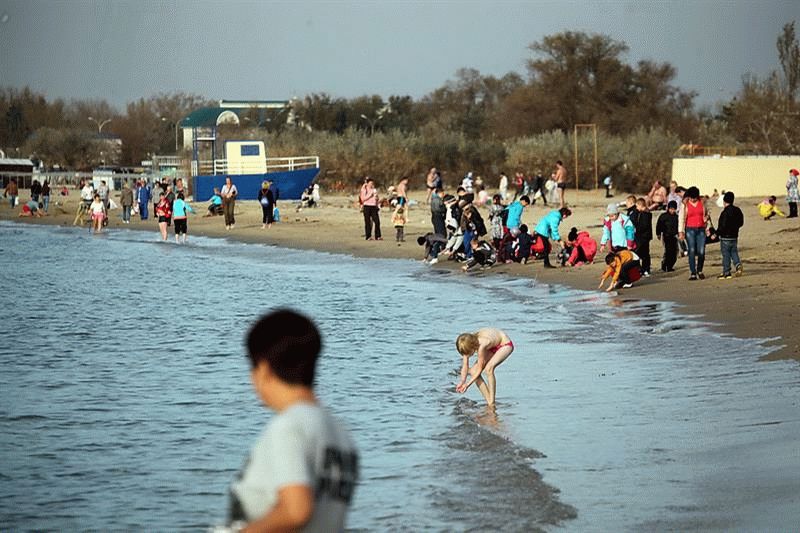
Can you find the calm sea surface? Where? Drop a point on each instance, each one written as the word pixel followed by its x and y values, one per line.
pixel 125 401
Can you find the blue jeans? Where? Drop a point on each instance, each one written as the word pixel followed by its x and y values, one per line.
pixel 126 213
pixel 46 203
pixel 12 199
pixel 730 251
pixel 696 242
pixel 468 236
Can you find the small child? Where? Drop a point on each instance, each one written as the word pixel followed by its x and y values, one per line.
pixel 399 222
pixel 493 346
pixel 519 250
pixel 768 209
pixel 667 233
pixel 482 254
pixel 97 209
pixel 623 269
pixel 642 220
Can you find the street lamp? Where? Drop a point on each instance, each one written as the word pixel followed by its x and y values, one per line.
pixel 174 125
pixel 100 123
pixel 372 122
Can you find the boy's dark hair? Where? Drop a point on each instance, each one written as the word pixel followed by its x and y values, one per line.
pixel 680 188
pixel 287 341
pixel 573 234
pixel 565 212
pixel 559 162
pixel 525 199
pixel 420 240
pixel 180 196
pixel 672 204
pixel 728 197
pixel 610 258
pixel 523 228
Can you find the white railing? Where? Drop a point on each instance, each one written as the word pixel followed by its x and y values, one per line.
pixel 273 164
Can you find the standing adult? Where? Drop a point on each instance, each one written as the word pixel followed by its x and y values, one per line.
pixel 11 192
pixel 438 213
pixel 46 195
pixel 692 229
pixel 267 201
pixel 503 187
pixel 36 190
pixel 143 198
pixel 369 203
pixel 402 192
pixel 547 229
pixel 561 181
pixel 792 193
pixel 102 190
pixel 229 193
pixel 430 183
pixel 126 200
pixel 730 220
pixel 608 184
pixel 538 187
pixel 180 214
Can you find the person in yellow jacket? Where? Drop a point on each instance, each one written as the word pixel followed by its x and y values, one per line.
pixel 768 209
pixel 623 269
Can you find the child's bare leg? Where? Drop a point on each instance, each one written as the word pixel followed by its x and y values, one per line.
pixel 484 389
pixel 498 357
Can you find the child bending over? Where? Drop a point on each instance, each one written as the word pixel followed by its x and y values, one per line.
pixel 623 269
pixel 492 346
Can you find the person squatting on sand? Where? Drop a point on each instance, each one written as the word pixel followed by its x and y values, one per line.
pixel 492 346
pixel 623 269
pixel 302 472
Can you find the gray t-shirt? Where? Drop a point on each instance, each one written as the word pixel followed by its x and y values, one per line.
pixel 303 445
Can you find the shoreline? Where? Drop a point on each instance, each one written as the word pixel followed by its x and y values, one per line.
pixel 764 304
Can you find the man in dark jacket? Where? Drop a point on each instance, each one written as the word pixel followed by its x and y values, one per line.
pixel 438 212
pixel 730 220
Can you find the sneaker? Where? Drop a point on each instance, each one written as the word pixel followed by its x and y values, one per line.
pixel 701 275
pixel 627 286
pixel 724 276
pixel 739 271
pixel 433 261
pixel 646 274
pixel 693 277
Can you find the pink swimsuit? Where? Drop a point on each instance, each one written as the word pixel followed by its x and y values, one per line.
pixel 509 344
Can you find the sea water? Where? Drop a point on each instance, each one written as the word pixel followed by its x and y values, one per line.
pixel 125 401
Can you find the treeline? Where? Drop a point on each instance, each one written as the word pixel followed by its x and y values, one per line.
pixel 475 122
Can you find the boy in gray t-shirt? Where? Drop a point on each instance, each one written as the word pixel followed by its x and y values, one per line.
pixel 302 471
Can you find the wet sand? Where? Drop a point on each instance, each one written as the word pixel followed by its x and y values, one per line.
pixel 764 303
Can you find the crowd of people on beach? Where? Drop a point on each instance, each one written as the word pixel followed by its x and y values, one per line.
pixel 684 227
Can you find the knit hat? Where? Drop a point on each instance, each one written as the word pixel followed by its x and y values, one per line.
pixel 612 209
pixel 672 204
pixel 728 197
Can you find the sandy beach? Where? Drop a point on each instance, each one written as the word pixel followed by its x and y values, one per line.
pixel 764 303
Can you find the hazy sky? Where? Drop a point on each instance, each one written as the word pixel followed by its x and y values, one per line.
pixel 122 50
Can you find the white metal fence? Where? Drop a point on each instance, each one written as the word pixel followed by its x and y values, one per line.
pixel 274 164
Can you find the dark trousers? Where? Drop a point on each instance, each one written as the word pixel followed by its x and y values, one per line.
pixel 400 234
pixel 670 252
pixel 624 272
pixel 228 204
pixel 792 209
pixel 267 214
pixel 372 216
pixel 608 191
pixel 438 225
pixel 546 248
pixel 730 252
pixel 643 251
